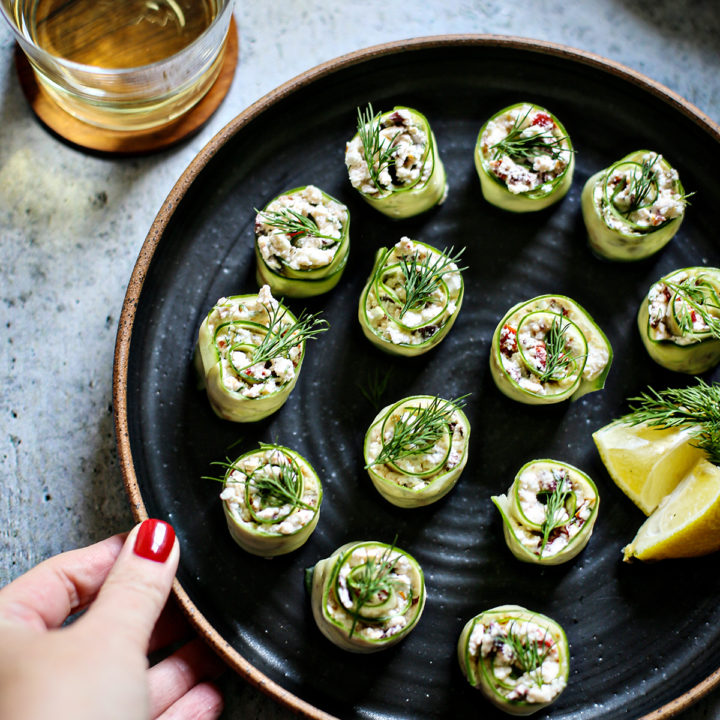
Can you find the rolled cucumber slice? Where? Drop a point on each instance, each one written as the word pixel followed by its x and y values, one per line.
pixel 518 659
pixel 416 449
pixel 393 162
pixel 249 354
pixel 524 158
pixel 549 349
pixel 412 297
pixel 633 208
pixel 302 241
pixel 271 499
pixel 367 596
pixel 549 512
pixel 679 320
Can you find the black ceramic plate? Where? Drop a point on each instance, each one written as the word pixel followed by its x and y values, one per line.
pixel 640 635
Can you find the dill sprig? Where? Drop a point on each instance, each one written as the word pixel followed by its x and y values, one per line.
pixel 280 338
pixel 556 499
pixel 422 279
pixel 527 652
pixel 696 406
pixel 375 385
pixel 558 360
pixel 292 223
pixel 285 488
pixel 373 580
pixel 523 149
pixel 640 186
pixel 418 429
pixel 698 297
pixel 378 152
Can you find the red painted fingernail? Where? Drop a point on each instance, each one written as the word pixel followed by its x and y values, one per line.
pixel 154 540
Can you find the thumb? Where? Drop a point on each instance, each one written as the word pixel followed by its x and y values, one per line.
pixel 137 587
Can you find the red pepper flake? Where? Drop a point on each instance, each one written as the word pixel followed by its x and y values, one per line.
pixel 541 355
pixel 508 340
pixel 543 120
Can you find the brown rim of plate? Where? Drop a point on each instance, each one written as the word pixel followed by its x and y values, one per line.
pixel 127 317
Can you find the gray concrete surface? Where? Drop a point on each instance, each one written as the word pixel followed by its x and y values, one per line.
pixel 71 226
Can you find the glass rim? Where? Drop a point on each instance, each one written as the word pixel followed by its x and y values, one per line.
pixel 25 42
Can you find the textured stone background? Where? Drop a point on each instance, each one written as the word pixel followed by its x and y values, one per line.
pixel 71 226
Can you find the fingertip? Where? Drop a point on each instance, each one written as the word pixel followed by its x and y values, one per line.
pixel 154 540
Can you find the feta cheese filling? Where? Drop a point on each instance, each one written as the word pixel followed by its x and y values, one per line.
pixel 283 242
pixel 392 603
pixel 238 326
pixel 682 306
pixel 385 304
pixel 404 141
pixel 536 365
pixel 525 149
pixel 271 493
pixel 523 658
pixel 639 197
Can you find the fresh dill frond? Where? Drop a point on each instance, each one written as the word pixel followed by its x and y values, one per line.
pixel 524 148
pixel 418 429
pixel 695 406
pixel 699 298
pixel 556 499
pixel 283 487
pixel 379 152
pixel 281 337
pixel 422 278
pixel 558 360
pixel 527 653
pixel 292 223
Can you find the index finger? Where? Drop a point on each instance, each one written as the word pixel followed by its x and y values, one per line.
pixel 47 594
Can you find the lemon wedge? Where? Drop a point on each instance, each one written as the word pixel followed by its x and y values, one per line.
pixel 686 523
pixel 645 462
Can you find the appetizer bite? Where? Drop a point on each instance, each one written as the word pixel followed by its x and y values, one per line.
pixel 416 449
pixel 633 208
pixel 367 596
pixel 412 297
pixel 249 353
pixel 547 350
pixel 302 242
pixel 518 659
pixel 393 162
pixel 549 512
pixel 524 158
pixel 679 320
pixel 271 498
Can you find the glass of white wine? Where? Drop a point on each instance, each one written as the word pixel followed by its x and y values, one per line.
pixel 127 65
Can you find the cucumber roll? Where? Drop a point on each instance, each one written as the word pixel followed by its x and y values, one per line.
pixel 249 353
pixel 412 297
pixel 271 498
pixel 549 512
pixel 547 350
pixel 679 320
pixel 518 659
pixel 633 208
pixel 393 162
pixel 416 449
pixel 524 158
pixel 302 242
pixel 367 596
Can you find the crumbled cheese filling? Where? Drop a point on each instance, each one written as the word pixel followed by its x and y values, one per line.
pixel 669 202
pixel 445 454
pixel 665 304
pixel 273 517
pixel 296 249
pixel 541 684
pixel 416 325
pixel 410 161
pixel 235 343
pixel 400 607
pixel 532 341
pixel 532 487
pixel 542 169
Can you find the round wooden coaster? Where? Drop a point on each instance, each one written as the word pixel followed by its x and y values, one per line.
pixel 131 142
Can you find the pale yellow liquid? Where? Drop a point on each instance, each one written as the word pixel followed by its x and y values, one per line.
pixel 118 35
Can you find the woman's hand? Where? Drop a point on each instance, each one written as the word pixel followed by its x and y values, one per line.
pixel 96 668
